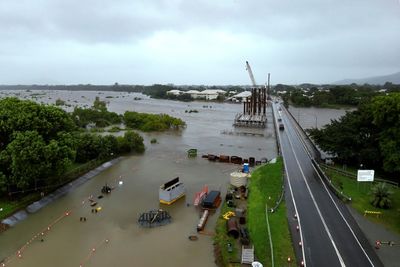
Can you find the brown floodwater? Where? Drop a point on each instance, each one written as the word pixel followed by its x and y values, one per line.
pixel 70 242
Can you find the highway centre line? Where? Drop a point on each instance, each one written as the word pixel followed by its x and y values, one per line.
pixel 334 203
pixel 316 206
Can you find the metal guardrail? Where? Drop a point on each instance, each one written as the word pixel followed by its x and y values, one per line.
pixel 353 176
pixel 339 193
pixel 314 147
pixel 282 192
pixel 277 141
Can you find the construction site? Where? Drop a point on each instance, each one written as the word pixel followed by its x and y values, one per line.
pixel 254 106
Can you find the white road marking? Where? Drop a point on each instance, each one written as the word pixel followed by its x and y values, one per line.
pixel 334 203
pixel 295 206
pixel 318 210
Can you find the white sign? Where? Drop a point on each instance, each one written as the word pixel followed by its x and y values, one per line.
pixel 365 175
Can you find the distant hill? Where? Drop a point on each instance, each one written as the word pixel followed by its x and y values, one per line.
pixel 380 80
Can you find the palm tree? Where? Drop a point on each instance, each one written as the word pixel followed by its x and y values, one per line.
pixel 381 196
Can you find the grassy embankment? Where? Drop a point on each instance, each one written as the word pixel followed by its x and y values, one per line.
pixel 265 188
pixel 10 206
pixel 361 196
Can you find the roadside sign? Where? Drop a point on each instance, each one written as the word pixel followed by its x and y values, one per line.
pixel 365 175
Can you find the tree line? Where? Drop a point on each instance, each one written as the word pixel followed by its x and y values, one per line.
pixel 368 136
pixel 333 95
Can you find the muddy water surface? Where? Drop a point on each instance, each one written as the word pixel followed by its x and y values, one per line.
pixel 70 242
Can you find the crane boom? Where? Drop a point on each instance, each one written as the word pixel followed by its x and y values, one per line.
pixel 248 68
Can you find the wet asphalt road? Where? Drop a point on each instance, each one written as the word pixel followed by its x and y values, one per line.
pixel 329 234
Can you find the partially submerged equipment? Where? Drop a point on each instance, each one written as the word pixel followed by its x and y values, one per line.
pixel 106 189
pixel 193 237
pixel 154 218
pixel 171 191
pixel 199 196
pixel 212 200
pixel 203 220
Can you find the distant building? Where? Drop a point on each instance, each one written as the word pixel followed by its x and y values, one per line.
pixel 193 93
pixel 174 92
pixel 209 94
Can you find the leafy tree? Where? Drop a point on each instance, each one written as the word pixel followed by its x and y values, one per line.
pixel 23 115
pixel 381 196
pixel 386 117
pixel 152 122
pixel 369 135
pixel 99 105
pixel 109 146
pixel 3 183
pixel 101 118
pixel 130 142
pixel 28 163
pixel 88 147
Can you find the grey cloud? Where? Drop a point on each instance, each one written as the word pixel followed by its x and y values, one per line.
pixel 319 40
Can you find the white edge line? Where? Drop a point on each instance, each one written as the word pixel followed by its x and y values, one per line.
pixel 334 203
pixel 294 203
pixel 318 210
pixel 295 208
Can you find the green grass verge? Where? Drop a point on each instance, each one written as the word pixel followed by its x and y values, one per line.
pixel 74 171
pixel 11 206
pixel 265 188
pixel 360 200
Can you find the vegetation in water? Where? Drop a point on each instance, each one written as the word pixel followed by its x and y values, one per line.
pixel 152 122
pixel 60 102
pixel 97 115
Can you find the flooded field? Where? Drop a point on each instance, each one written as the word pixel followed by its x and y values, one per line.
pixel 316 117
pixel 112 237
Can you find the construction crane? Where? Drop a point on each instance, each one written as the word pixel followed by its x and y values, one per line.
pixel 248 68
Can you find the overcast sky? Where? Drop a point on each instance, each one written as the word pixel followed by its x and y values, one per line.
pixel 196 41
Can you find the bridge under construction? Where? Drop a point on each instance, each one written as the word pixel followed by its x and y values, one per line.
pixel 254 107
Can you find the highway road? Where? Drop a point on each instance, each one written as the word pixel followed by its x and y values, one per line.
pixel 329 234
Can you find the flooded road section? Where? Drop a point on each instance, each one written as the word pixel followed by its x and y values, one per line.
pixel 112 237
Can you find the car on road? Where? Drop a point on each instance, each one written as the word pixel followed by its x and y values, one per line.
pixel 281 127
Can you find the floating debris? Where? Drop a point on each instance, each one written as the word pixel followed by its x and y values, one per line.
pixel 193 237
